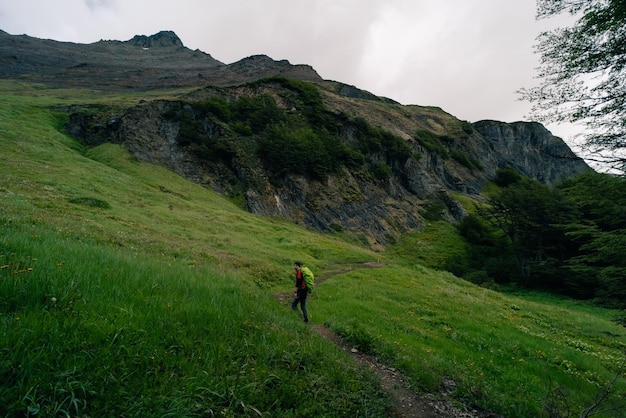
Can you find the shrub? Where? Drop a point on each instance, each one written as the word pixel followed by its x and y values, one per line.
pixel 431 142
pixel 467 127
pixel 284 151
pixel 90 201
pixel 507 176
pixel 434 211
pixel 218 106
pixel 374 140
pixel 465 161
pixel 380 170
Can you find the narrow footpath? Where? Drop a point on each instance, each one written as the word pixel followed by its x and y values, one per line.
pixel 406 402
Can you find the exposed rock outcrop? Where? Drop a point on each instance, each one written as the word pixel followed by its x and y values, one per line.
pixel 529 148
pixel 162 39
pixel 377 211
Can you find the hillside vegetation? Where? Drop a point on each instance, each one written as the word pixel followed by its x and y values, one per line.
pixel 125 288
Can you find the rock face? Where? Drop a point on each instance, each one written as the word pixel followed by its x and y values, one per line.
pixel 257 67
pixel 162 39
pixel 448 157
pixel 375 211
pixel 530 149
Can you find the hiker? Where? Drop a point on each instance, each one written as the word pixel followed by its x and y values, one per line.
pixel 302 291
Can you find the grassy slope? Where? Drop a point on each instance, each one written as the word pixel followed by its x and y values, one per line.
pixel 163 299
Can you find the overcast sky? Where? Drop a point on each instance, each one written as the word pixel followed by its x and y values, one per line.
pixel 466 56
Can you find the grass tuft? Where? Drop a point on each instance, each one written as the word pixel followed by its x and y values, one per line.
pixel 90 201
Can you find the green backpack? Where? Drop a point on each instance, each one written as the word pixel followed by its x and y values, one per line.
pixel 308 278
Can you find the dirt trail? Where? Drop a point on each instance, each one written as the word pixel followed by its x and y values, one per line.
pixel 406 402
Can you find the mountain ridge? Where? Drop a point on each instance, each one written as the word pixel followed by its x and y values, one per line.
pixel 410 160
pixel 142 63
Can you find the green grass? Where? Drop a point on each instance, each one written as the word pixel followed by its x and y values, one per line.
pixel 501 351
pixel 425 248
pixel 87 328
pixel 128 289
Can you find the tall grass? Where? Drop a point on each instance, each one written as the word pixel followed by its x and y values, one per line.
pixel 497 351
pixel 88 329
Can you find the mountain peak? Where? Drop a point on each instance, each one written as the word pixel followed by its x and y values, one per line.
pixel 164 38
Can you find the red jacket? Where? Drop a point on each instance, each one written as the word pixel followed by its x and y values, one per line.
pixel 300 282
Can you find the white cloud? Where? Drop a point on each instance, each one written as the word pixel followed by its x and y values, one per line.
pixel 97 4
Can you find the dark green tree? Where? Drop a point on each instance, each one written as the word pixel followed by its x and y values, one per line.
pixel 583 73
pixel 489 250
pixel 531 214
pixel 570 239
pixel 598 268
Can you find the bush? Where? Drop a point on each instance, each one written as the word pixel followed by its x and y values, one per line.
pixel 284 151
pixel 374 140
pixel 466 161
pixel 431 142
pixel 477 231
pixel 434 211
pixel 507 176
pixel 380 170
pixel 479 277
pixel 91 201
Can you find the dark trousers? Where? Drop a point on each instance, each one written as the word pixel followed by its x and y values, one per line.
pixel 301 299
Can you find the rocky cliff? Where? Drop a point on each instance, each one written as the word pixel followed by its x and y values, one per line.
pixel 447 158
pixel 384 167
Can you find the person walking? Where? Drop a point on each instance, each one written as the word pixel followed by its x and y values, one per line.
pixel 301 292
